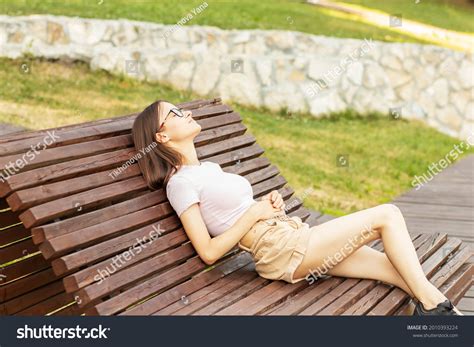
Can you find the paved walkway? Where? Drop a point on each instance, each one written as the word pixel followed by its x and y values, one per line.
pixel 445 204
pixel 444 37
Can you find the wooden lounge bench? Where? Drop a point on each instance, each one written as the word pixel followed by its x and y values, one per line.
pixel 64 220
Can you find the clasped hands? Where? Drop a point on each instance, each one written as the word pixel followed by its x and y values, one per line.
pixel 275 197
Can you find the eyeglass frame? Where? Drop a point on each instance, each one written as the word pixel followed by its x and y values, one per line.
pixel 180 114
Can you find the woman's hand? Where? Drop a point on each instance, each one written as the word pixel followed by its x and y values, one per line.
pixel 264 209
pixel 275 198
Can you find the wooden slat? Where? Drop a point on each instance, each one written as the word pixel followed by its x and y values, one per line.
pixel 441 195
pixel 100 250
pixel 96 233
pixel 23 199
pixel 17 250
pixel 204 296
pixel 49 231
pixel 219 134
pixel 392 301
pixel 435 212
pixel 220 120
pixel 8 218
pixel 447 276
pixel 190 105
pixel 366 302
pixel 51 304
pixel 13 234
pixel 459 282
pixel 65 170
pixel 267 186
pixel 32 298
pixel 223 146
pixel 190 286
pixel 59 130
pixel 92 198
pixel 358 300
pixel 24 267
pixel 3 205
pixel 156 284
pixel 71 310
pixel 134 273
pixel 152 285
pixel 247 166
pixel 67 153
pixel 84 277
pixel 68 137
pixel 85 132
pixel 26 284
pixel 263 299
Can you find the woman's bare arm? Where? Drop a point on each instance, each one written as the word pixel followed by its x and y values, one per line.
pixel 211 249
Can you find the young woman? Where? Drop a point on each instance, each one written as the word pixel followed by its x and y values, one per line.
pixel 218 211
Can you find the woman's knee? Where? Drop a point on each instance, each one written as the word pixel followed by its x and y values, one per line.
pixel 390 213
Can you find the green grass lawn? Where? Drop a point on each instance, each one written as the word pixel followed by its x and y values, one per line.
pixel 242 14
pixel 448 14
pixel 383 154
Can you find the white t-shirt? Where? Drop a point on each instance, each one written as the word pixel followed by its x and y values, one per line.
pixel 223 197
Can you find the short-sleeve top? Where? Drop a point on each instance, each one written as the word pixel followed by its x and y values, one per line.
pixel 222 196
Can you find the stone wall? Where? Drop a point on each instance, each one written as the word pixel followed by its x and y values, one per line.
pixel 276 69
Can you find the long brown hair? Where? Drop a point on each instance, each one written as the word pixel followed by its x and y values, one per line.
pixel 157 161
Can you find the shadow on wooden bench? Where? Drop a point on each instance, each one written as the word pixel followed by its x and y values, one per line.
pixel 77 239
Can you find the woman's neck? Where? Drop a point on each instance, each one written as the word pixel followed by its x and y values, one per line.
pixel 189 154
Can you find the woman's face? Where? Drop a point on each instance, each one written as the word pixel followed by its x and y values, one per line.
pixel 176 128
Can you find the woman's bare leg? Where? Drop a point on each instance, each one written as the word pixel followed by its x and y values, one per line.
pixel 335 240
pixel 369 263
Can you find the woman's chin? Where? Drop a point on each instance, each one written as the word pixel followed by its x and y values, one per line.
pixel 195 131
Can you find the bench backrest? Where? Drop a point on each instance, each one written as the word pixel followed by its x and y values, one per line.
pixel 79 239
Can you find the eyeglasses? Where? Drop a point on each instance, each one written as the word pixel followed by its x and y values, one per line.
pixel 176 111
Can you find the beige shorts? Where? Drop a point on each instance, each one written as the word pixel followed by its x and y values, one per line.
pixel 278 247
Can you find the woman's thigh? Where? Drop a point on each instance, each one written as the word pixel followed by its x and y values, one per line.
pixel 333 241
